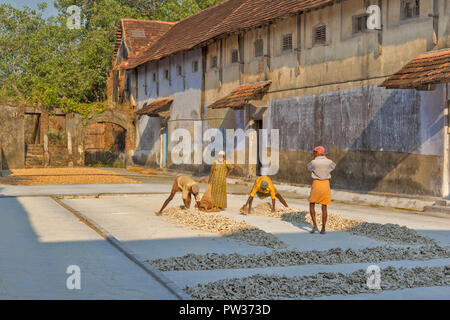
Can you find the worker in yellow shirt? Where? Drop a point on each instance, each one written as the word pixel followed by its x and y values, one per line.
pixel 263 188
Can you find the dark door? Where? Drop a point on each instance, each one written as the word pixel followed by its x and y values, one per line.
pixel 258 127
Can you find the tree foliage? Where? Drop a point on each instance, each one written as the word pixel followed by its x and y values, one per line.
pixel 44 62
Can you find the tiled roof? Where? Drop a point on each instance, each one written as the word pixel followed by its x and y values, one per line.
pixel 241 96
pixel 426 69
pixel 156 107
pixel 257 12
pixel 187 33
pixel 226 17
pixel 139 34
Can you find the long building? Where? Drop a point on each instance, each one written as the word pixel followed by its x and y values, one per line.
pixel 311 69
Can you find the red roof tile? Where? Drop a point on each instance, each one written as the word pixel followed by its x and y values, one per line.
pixel 239 97
pixel 257 12
pixel 428 68
pixel 187 33
pixel 138 35
pixel 156 108
pixel 226 17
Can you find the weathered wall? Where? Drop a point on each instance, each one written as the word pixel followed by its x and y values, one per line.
pixel 64 134
pixel 147 129
pixel 104 143
pixel 381 140
pixel 149 143
pixel 12 137
pixel 75 139
pixel 346 59
pixel 184 88
pixel 123 119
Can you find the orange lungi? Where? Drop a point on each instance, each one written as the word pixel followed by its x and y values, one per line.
pixel 320 192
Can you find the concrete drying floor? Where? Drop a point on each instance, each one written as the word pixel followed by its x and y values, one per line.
pixel 39 239
pixel 131 220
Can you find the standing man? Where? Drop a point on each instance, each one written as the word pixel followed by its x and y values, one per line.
pixel 263 188
pixel 188 187
pixel 320 168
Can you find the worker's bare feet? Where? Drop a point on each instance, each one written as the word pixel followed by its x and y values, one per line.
pixel 322 231
pixel 314 230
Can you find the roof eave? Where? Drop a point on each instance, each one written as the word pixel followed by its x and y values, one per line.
pixel 225 34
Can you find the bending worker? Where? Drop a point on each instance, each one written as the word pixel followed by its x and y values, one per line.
pixel 263 188
pixel 320 168
pixel 188 187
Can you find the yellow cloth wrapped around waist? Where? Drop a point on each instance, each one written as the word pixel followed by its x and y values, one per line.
pixel 320 192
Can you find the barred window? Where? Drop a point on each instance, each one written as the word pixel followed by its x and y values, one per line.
pixel 194 66
pixel 214 62
pixel 166 74
pixel 179 70
pixel 320 35
pixel 409 9
pixel 286 42
pixel 359 23
pixel 259 48
pixel 234 56
pixel 154 76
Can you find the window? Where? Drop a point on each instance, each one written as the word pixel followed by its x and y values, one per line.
pixel 259 48
pixel 320 35
pixel 409 9
pixel 179 70
pixel 194 66
pixel 286 43
pixel 154 76
pixel 359 23
pixel 234 56
pixel 214 62
pixel 166 74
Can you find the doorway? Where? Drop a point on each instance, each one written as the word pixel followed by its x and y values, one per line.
pixel 104 144
pixel 34 149
pixel 258 128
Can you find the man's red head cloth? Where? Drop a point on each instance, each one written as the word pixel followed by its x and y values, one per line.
pixel 320 150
